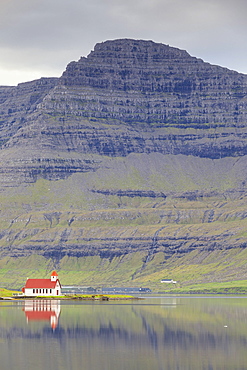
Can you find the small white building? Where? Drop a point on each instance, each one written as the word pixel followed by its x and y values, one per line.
pixel 43 287
pixel 168 281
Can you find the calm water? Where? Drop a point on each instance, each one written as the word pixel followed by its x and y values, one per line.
pixel 155 333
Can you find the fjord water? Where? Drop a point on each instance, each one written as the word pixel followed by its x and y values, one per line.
pixel 158 333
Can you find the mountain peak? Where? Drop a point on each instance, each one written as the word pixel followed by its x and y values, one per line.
pixel 147 82
pixel 133 47
pixel 126 60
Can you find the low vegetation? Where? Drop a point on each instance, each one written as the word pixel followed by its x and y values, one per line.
pixel 7 293
pixel 220 271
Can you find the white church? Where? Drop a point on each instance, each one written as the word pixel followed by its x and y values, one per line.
pixel 43 287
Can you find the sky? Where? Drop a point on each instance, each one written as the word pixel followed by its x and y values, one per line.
pixel 38 38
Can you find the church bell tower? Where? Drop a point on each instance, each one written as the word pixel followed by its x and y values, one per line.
pixel 54 276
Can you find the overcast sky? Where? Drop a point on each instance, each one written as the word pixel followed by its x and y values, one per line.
pixel 40 37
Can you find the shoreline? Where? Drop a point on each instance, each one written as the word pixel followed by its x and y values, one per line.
pixel 74 298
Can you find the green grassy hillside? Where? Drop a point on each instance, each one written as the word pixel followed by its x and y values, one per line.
pixel 217 271
pixel 193 230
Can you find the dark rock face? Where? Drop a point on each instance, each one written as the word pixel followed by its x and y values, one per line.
pixel 145 82
pixel 17 102
pixel 131 96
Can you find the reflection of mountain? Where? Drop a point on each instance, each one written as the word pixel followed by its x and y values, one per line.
pixel 43 310
pixel 166 333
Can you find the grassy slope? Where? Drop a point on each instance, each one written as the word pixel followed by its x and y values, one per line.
pixel 217 271
pixel 39 214
pixel 6 292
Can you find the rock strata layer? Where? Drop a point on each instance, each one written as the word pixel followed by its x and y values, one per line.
pixel 144 82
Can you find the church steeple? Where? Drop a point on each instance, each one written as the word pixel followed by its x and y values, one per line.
pixel 54 276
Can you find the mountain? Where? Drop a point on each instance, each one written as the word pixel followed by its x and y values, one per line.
pixel 129 168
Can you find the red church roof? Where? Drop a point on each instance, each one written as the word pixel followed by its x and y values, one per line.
pixel 54 273
pixel 40 283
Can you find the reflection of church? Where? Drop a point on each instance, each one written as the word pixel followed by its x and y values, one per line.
pixel 43 310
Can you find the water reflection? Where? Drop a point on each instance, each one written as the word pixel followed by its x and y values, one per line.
pixel 43 310
pixel 161 333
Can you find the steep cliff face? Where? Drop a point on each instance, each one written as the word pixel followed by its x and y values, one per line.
pixel 134 149
pixel 145 82
pixel 133 96
pixel 141 97
pixel 17 102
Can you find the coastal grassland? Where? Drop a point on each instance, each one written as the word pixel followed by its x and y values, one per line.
pixel 7 292
pixel 222 271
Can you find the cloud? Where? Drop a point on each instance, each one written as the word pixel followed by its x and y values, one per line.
pixel 41 37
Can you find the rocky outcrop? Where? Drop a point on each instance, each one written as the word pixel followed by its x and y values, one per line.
pixel 143 82
pixel 131 193
pixel 16 103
